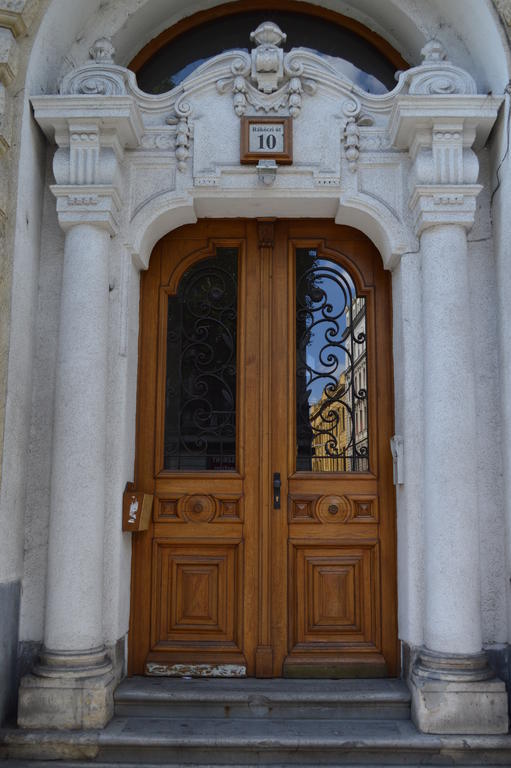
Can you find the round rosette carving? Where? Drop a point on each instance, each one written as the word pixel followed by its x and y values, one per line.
pixel 333 509
pixel 198 508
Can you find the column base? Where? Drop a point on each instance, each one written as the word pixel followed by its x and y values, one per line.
pixel 455 694
pixel 69 691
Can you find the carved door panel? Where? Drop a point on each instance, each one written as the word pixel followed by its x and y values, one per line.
pixel 339 533
pixel 194 571
pixel 264 348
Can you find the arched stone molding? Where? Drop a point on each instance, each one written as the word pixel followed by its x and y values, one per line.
pixel 406 25
pixel 167 212
pixel 392 238
pixel 153 221
pixel 401 167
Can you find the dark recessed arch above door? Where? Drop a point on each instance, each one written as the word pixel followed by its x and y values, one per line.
pixel 358 52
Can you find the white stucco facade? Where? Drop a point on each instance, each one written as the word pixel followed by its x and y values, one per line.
pixel 429 183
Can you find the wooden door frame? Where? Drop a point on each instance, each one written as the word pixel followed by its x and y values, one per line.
pixel 140 602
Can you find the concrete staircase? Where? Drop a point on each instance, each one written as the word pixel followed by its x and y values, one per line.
pixel 217 723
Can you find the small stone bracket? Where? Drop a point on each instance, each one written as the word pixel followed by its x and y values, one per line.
pixel 267 172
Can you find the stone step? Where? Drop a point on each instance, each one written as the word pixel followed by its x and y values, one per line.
pixel 250 698
pixel 88 764
pixel 253 742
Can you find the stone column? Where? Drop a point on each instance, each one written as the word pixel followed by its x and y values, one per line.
pixel 438 118
pixel 72 684
pixel 452 621
pixel 453 688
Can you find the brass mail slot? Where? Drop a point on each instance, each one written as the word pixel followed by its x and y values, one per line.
pixel 136 509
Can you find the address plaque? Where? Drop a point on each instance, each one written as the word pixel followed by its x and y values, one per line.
pixel 266 138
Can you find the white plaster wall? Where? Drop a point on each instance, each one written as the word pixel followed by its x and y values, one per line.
pixel 490 496
pixel 409 424
pixel 44 60
pixel 501 197
pixel 41 431
pixel 21 350
pixel 67 30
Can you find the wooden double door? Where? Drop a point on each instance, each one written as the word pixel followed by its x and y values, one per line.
pixel 264 418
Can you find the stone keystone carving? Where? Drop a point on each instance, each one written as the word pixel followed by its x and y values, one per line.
pixel 268 58
pixel 268 79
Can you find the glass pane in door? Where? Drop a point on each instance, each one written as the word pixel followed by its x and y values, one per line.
pixel 200 395
pixel 331 368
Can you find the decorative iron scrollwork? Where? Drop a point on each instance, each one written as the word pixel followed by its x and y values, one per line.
pixel 200 414
pixel 331 373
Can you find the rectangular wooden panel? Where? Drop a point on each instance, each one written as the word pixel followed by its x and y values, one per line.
pixel 197 595
pixel 334 610
pixel 332 595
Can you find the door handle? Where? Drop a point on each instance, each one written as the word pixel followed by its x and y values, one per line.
pixel 276 490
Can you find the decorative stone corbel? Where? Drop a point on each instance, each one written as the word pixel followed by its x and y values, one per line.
pixel 267 80
pixel 92 121
pixel 354 120
pixel 438 117
pixel 352 143
pixel 184 133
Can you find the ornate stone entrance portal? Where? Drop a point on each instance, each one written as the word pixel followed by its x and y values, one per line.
pixel 401 167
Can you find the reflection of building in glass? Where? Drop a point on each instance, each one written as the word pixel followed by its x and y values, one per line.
pixel 339 418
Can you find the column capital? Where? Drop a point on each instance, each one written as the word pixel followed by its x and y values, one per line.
pixel 437 204
pixel 439 117
pixel 94 204
pixel 92 121
pixel 92 134
pixel 440 133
